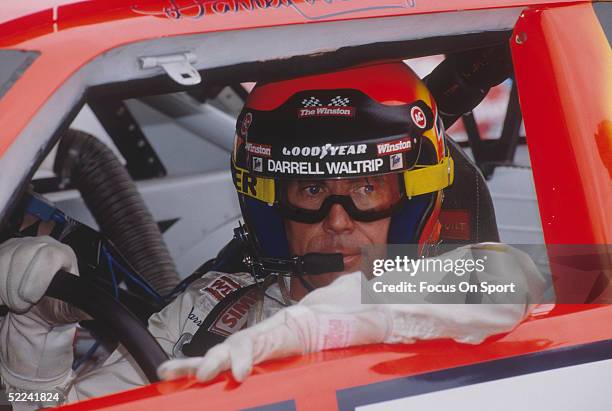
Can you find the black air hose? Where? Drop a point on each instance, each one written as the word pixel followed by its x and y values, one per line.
pixel 114 201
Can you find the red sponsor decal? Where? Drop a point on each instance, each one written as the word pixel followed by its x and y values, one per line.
pixel 326 111
pixel 418 117
pixel 393 147
pixel 455 225
pixel 259 149
pixel 234 317
pixel 222 287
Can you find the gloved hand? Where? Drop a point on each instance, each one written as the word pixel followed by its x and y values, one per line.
pixel 315 325
pixel 302 329
pixel 27 266
pixel 36 335
pixel 292 331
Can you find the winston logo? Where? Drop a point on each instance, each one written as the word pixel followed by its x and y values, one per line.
pixel 393 147
pixel 326 111
pixel 337 106
pixel 308 9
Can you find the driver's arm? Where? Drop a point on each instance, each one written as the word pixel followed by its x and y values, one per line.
pixel 120 372
pixel 36 335
pixel 172 327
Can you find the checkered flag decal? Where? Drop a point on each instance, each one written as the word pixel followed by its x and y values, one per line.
pixel 339 102
pixel 311 102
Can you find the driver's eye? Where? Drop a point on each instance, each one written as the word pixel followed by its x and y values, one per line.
pixel 365 189
pixel 313 190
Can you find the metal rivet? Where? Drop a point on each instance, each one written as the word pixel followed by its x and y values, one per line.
pixel 520 38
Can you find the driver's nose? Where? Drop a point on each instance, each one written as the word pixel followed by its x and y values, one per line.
pixel 338 220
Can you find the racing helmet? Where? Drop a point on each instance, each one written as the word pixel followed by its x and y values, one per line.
pixel 362 122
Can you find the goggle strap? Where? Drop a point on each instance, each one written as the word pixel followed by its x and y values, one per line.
pixel 429 179
pixel 260 188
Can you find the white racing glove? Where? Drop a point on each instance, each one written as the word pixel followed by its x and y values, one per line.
pixel 315 325
pixel 36 335
pixel 292 331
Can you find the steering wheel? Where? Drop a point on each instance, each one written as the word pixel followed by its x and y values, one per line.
pixel 101 306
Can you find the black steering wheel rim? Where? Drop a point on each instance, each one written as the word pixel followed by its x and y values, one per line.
pixel 101 306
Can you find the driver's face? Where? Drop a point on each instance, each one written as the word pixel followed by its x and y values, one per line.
pixel 338 232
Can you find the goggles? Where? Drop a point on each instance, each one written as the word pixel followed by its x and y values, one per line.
pixel 364 199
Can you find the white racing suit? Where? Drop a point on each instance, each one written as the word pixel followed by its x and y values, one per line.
pixel 172 327
pixel 178 322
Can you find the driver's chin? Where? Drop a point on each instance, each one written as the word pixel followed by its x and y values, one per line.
pixel 352 262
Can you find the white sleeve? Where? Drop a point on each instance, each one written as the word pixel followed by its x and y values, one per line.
pixel 120 371
pixel 171 327
pixel 53 346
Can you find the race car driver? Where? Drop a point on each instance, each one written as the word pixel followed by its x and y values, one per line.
pixel 327 163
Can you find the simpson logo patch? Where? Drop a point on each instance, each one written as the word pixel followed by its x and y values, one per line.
pixel 234 317
pixel 396 161
pixel 257 164
pixel 221 287
pixel 393 147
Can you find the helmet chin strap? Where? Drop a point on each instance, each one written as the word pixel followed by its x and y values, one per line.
pixel 300 265
pixel 309 287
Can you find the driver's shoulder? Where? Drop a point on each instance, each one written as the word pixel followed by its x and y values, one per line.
pixel 216 285
pixel 192 306
pixel 208 290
